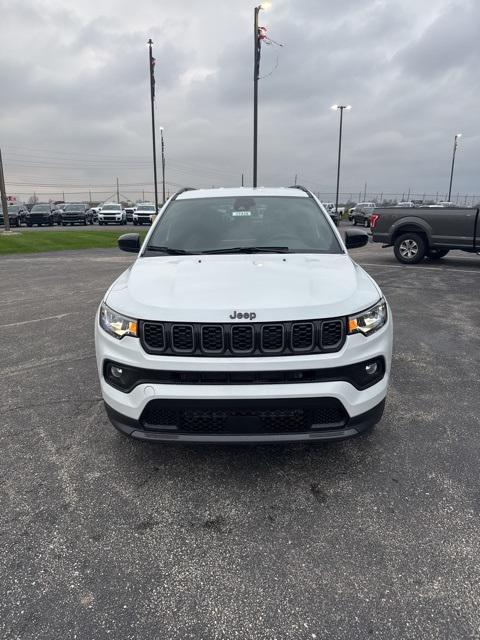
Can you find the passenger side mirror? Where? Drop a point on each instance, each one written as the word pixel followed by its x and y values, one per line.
pixel 129 242
pixel 355 239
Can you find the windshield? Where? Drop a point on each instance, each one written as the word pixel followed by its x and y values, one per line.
pixel 289 224
pixel 74 207
pixel 13 208
pixel 41 208
pixel 111 207
pixel 146 207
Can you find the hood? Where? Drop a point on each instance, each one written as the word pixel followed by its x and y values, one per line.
pixel 210 288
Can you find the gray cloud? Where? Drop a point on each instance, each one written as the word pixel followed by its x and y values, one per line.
pixel 76 106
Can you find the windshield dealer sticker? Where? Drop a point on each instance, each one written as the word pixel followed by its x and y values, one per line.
pixel 238 214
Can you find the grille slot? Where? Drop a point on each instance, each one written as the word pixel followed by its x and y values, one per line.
pixel 154 335
pixel 272 337
pixel 243 339
pixel 182 338
pixel 212 338
pixel 303 336
pixel 332 334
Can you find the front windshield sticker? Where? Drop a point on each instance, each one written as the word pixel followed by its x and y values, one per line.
pixel 238 214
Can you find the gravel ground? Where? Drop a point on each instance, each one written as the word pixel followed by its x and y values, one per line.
pixel 376 537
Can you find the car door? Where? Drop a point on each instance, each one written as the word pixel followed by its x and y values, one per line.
pixel 453 227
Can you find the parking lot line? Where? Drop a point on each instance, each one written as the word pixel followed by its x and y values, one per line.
pixel 400 266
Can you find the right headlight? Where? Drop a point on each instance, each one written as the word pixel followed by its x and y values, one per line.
pixel 370 320
pixel 116 324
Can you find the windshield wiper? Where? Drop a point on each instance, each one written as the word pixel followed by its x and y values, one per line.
pixel 169 250
pixel 249 250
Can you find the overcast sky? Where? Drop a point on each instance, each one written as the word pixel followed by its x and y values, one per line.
pixel 74 102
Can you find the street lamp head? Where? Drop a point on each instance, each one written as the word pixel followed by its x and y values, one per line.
pixel 161 128
pixel 459 135
pixel 266 5
pixel 348 107
pixel 335 107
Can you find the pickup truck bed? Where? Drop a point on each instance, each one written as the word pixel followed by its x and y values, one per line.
pixel 425 232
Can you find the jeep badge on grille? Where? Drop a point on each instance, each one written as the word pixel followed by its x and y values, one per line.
pixel 246 315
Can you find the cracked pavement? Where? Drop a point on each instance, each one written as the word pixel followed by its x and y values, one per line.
pixel 376 537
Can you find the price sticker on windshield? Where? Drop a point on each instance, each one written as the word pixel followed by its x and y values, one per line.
pixel 241 214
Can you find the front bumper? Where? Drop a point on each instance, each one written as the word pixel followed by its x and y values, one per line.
pixel 74 218
pixel 352 427
pixel 362 407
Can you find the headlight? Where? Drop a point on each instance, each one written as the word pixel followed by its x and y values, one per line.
pixel 369 321
pixel 117 325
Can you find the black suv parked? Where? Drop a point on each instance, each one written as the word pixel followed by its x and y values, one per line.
pixel 40 214
pixel 76 213
pixel 16 214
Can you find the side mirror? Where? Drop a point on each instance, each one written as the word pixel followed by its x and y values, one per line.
pixel 355 239
pixel 129 242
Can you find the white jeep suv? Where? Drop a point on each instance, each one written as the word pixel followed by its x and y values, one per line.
pixel 243 319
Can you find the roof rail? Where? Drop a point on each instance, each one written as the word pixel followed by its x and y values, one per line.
pixel 299 186
pixel 175 195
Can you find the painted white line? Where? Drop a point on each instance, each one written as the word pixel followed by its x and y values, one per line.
pixel 59 317
pixel 401 266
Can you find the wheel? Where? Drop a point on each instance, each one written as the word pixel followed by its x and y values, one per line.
pixel 135 222
pixel 100 222
pixel 85 222
pixel 29 224
pixel 410 248
pixel 355 222
pixel 436 254
pixel 365 223
pixel 50 223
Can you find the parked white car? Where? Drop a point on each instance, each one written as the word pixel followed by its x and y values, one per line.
pixel 144 213
pixel 244 319
pixel 112 213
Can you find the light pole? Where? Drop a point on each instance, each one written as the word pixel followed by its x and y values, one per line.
pixel 339 107
pixel 257 45
pixel 151 64
pixel 163 164
pixel 455 144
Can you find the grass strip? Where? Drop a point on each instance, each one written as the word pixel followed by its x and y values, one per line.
pixel 41 241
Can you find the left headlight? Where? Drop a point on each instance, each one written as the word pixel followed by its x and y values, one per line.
pixel 370 320
pixel 116 324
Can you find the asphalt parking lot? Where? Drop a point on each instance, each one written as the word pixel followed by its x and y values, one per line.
pixel 376 537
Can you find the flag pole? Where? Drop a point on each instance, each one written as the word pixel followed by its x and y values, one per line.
pixel 151 60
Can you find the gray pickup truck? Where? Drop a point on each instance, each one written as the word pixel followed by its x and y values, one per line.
pixel 422 232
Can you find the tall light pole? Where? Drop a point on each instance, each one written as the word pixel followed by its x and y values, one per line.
pixel 151 61
pixel 455 144
pixel 163 165
pixel 257 46
pixel 339 107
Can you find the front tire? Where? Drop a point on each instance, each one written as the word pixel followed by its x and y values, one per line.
pixel 410 248
pixel 355 222
pixel 437 254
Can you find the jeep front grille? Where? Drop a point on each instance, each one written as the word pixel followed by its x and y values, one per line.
pixel 243 339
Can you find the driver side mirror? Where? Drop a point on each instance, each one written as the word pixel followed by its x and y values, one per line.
pixel 355 239
pixel 129 242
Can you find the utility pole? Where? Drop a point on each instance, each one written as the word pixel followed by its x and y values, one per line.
pixel 365 193
pixel 3 194
pixel 118 193
pixel 152 101
pixel 408 197
pixel 296 177
pixel 143 195
pixel 163 165
pixel 339 107
pixel 455 144
pixel 90 196
pixel 242 181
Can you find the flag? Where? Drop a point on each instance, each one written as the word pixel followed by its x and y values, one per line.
pixel 152 75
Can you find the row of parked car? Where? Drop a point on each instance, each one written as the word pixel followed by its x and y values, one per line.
pixel 78 213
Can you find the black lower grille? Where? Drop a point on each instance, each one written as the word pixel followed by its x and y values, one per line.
pixel 244 417
pixel 243 339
